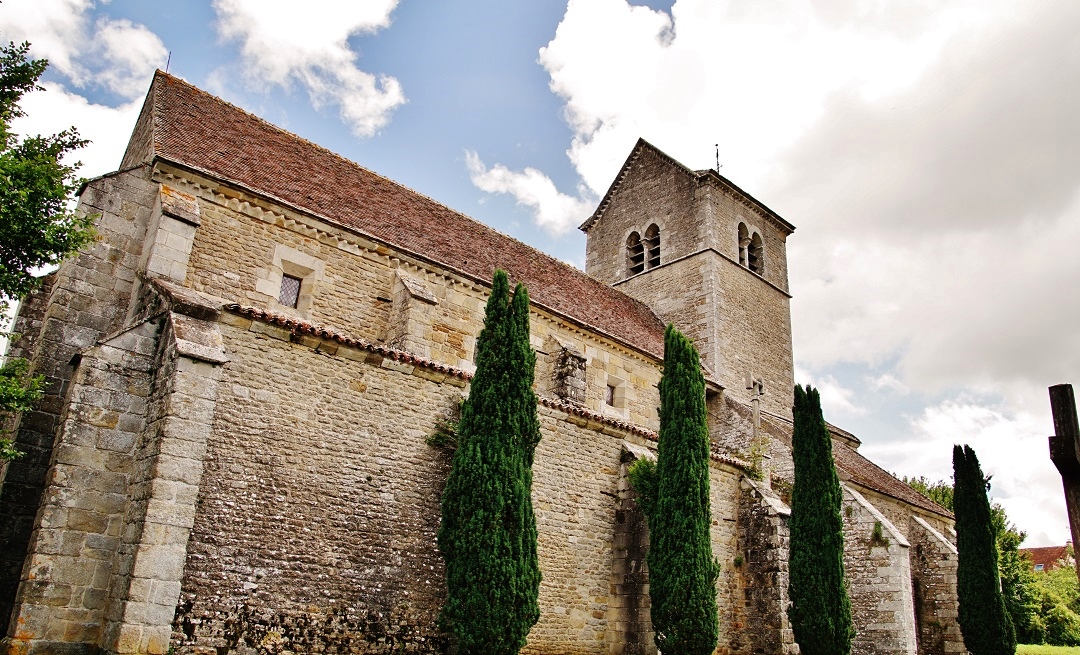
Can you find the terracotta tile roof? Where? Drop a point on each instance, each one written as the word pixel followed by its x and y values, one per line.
pixel 856 468
pixel 863 472
pixel 199 131
pixel 1048 556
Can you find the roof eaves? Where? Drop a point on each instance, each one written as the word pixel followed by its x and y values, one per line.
pixel 418 256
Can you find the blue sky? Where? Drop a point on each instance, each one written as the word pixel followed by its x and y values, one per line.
pixel 927 152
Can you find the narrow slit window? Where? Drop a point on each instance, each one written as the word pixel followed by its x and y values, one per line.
pixel 290 290
pixel 756 255
pixel 744 245
pixel 609 396
pixel 652 245
pixel 635 253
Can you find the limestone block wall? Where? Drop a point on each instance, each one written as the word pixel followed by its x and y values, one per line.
pixel 108 548
pixel 655 190
pixel 668 288
pixel 739 324
pixel 694 213
pixel 933 568
pixel 731 429
pixel 724 504
pixel 879 579
pixel 320 502
pixel 368 291
pixel 727 210
pixel 243 244
pixel 762 625
pixel 630 623
pixel 87 300
pixel 754 337
pixel 64 585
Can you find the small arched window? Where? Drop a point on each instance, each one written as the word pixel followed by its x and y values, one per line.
pixel 635 254
pixel 744 244
pixel 755 255
pixel 652 246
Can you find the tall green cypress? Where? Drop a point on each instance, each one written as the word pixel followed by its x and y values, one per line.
pixel 682 570
pixel 984 621
pixel 488 532
pixel 820 610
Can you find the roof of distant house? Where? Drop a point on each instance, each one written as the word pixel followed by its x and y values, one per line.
pixel 204 133
pixel 1047 556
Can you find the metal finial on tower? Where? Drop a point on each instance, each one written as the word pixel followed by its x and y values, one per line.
pixel 169 61
pixel 717 158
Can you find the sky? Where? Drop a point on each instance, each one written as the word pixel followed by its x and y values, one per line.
pixel 928 152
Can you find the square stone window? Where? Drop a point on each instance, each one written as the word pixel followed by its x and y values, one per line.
pixel 614 396
pixel 290 290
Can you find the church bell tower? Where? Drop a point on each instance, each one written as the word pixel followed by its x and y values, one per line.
pixel 708 257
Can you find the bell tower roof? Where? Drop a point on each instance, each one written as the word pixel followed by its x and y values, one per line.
pixel 706 176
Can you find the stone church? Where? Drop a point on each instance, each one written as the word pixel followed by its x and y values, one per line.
pixel 245 367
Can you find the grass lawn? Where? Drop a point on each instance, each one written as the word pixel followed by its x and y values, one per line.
pixel 1025 649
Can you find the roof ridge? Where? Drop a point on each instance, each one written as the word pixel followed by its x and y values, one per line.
pixel 168 78
pixel 624 170
pixel 196 130
pixel 173 79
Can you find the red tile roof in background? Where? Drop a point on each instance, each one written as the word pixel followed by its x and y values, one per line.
pixel 199 131
pixel 1048 556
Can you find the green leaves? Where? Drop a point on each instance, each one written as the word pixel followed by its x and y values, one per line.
pixel 488 532
pixel 675 499
pixel 18 393
pixel 36 228
pixel 984 621
pixel 820 610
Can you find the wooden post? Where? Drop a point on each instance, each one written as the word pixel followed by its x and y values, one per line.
pixel 1065 453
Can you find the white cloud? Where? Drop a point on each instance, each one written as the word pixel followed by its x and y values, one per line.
pixel 928 153
pixel 108 128
pixel 281 45
pixel 554 211
pixel 130 53
pixel 56 28
pixel 1011 447
pixel 115 54
pixel 889 382
pixel 837 400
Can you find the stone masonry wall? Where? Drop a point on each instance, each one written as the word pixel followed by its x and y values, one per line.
pixel 740 325
pixel 762 625
pixel 65 583
pixel 88 299
pixel 363 292
pixel 754 336
pixel 726 211
pixel 320 502
pixel 630 623
pixel 933 569
pixel 653 191
pixel 317 514
pixel 878 574
pixel 106 556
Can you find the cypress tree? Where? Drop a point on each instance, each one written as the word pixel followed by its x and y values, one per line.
pixel 682 570
pixel 820 610
pixel 983 618
pixel 488 532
